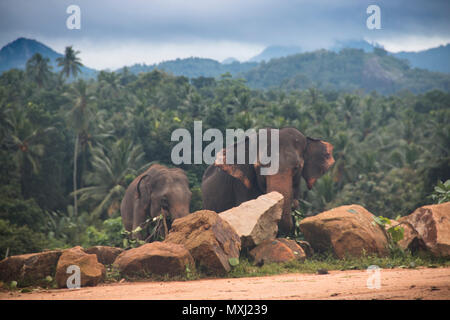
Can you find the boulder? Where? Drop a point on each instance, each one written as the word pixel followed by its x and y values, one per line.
pixel 105 255
pixel 210 240
pixel 277 250
pixel 158 258
pixel 347 230
pixel 256 220
pixel 91 271
pixel 29 269
pixel 430 224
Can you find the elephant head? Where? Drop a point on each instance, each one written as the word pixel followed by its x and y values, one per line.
pixel 163 191
pixel 299 156
pixel 158 190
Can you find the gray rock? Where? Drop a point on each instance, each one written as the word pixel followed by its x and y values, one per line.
pixel 256 220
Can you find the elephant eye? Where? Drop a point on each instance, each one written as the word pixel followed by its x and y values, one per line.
pixel 164 203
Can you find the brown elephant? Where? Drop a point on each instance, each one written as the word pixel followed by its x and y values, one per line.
pixel 227 185
pixel 157 190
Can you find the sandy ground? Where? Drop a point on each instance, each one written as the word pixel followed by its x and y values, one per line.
pixel 421 283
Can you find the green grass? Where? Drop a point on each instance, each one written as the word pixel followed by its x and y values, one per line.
pixel 329 262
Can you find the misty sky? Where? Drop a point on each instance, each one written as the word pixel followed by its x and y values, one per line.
pixel 116 33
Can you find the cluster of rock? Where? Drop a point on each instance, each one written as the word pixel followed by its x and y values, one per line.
pixel 351 230
pixel 36 268
pixel 211 242
pixel 204 240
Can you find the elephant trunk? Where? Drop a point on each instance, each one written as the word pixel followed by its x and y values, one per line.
pixel 282 183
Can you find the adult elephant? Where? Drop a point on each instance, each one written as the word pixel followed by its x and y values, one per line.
pixel 227 185
pixel 157 190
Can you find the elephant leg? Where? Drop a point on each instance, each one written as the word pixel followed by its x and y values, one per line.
pixel 282 183
pixel 243 194
pixel 217 190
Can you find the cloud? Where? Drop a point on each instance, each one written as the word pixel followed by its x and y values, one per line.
pixel 234 27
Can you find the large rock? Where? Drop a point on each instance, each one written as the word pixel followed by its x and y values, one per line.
pixel 256 220
pixel 210 240
pixel 91 271
pixel 277 250
pixel 158 258
pixel 347 230
pixel 29 269
pixel 105 255
pixel 431 225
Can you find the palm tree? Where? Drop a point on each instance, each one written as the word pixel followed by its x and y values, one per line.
pixel 112 167
pixel 24 140
pixel 70 63
pixel 79 116
pixel 109 84
pixel 38 69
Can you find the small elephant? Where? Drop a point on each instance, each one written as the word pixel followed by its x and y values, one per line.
pixel 157 190
pixel 227 185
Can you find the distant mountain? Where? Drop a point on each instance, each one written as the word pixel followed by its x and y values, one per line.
pixel 367 67
pixel 16 54
pixel 435 59
pixel 272 52
pixel 348 69
pixel 194 67
pixel 229 60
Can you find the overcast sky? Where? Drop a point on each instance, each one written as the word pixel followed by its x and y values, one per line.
pixel 115 33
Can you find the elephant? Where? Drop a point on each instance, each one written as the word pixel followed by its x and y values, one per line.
pixel 227 185
pixel 158 189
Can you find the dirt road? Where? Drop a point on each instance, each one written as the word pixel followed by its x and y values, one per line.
pixel 421 283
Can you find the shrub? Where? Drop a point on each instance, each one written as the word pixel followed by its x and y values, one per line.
pixel 19 240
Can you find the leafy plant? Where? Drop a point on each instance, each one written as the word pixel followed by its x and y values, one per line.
pixel 148 227
pixel 395 233
pixel 441 192
pixel 298 216
pixel 233 261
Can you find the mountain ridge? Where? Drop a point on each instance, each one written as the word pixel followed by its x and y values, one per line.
pixel 338 69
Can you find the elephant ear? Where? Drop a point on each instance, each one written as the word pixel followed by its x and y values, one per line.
pixel 319 158
pixel 233 169
pixel 138 185
pixel 244 171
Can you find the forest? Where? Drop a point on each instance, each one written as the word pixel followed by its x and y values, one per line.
pixel 69 149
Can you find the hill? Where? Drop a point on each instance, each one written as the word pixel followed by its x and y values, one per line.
pixel 349 69
pixel 435 59
pixel 15 55
pixel 194 67
pixel 366 67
